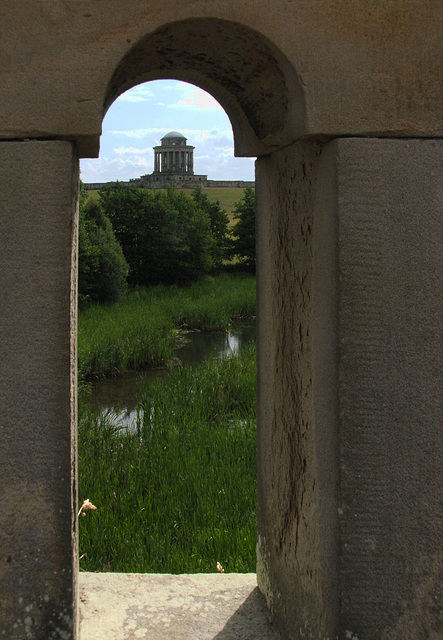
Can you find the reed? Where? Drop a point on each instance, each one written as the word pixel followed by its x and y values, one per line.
pixel 178 496
pixel 141 330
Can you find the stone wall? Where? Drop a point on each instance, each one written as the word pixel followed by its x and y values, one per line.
pixel 189 184
pixel 350 444
pixel 236 184
pixel 38 566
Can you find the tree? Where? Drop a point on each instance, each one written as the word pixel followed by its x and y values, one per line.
pixel 219 226
pixel 102 269
pixel 192 255
pixel 244 230
pixel 165 237
pixel 125 207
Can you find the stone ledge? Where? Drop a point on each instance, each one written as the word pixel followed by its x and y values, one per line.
pixel 122 606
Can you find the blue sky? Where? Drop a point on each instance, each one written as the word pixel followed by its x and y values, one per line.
pixel 139 118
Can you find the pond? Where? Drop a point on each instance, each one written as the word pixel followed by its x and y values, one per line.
pixel 119 395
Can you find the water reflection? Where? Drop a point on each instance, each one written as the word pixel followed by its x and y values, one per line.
pixel 119 395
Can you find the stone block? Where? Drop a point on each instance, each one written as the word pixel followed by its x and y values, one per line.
pixel 39 186
pixel 350 447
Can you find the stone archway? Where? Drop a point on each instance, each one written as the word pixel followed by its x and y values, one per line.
pixel 349 358
pixel 257 93
pixel 249 77
pixel 264 100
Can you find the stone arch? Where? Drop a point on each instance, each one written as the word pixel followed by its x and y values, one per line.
pixel 252 80
pixel 349 236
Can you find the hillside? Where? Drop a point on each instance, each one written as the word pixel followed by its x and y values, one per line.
pixel 227 196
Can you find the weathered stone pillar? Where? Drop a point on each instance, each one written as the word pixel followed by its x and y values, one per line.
pixel 39 183
pixel 350 447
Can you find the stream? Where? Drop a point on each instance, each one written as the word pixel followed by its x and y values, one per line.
pixel 119 395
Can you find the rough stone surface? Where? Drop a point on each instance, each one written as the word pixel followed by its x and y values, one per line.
pixel 297 440
pixel 350 378
pixel 292 68
pixel 390 206
pixel 169 607
pixel 39 183
pixel 253 90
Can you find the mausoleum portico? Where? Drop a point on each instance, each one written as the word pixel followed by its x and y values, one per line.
pixel 173 165
pixel 174 155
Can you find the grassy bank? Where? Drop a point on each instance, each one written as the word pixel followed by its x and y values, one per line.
pixel 227 196
pixel 141 330
pixel 178 496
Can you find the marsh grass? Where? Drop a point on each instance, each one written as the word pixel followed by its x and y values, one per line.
pixel 179 495
pixel 141 330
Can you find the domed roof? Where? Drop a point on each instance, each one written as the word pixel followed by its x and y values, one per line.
pixel 174 134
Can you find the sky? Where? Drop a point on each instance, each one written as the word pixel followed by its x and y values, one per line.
pixel 139 118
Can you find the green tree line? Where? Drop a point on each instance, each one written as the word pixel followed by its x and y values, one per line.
pixel 132 236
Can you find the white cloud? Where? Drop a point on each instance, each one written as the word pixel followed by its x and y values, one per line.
pixel 198 99
pixel 140 93
pixel 130 98
pixel 131 151
pixel 121 164
pixel 193 135
pixel 136 133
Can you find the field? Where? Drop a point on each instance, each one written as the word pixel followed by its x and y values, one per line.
pixel 227 196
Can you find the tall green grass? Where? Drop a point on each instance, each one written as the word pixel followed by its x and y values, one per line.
pixel 141 330
pixel 179 495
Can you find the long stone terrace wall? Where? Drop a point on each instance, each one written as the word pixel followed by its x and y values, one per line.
pixel 97 186
pixel 239 184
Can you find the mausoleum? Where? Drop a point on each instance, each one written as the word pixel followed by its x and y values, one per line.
pixel 173 164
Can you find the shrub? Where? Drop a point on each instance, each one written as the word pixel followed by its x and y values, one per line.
pixel 244 230
pixel 102 269
pixel 165 236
